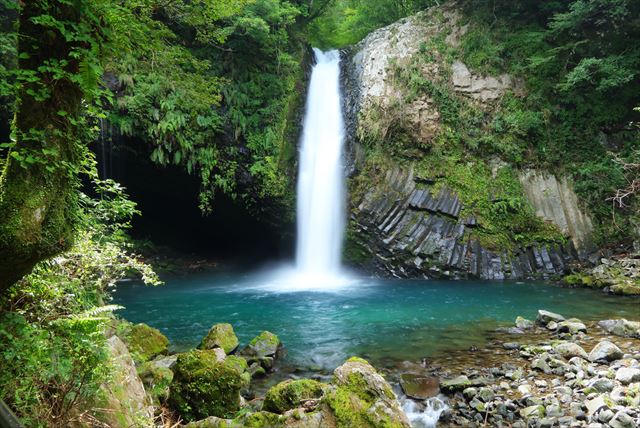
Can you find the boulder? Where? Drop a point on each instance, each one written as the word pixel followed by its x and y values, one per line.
pixel 266 344
pixel 572 325
pixel 220 336
pixel 203 385
pixel 293 419
pixel 605 351
pixel 360 397
pixel 156 379
pixel 123 401
pixel 569 350
pixel 292 394
pixel 456 384
pixel 545 317
pixel 627 375
pixel 595 404
pixel 144 342
pixel 523 323
pixel 621 327
pixel 418 386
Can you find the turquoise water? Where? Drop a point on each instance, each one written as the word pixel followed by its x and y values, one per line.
pixel 385 321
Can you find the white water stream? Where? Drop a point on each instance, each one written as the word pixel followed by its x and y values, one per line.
pixel 321 188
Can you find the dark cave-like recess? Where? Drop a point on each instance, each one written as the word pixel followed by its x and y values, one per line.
pixel 168 199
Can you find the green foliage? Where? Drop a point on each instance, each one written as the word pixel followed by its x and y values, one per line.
pixel 211 88
pixel 53 322
pixel 346 22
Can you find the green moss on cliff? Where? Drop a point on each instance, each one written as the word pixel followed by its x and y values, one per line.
pixel 144 342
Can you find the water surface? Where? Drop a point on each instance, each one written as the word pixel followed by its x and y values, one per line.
pixel 383 320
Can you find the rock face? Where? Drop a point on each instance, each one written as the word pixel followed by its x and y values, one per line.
pixel 125 402
pixel 555 201
pixel 412 227
pixel 412 231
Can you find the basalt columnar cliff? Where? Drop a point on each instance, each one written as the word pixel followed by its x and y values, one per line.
pixel 422 205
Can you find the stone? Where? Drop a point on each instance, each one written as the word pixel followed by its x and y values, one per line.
pixel 456 384
pixel 511 345
pixel 419 387
pixel 156 379
pixel 204 386
pixel 144 342
pixel 220 336
pixel 266 344
pixel 552 325
pixel 535 411
pixel 595 404
pixel 605 351
pixel 470 392
pixel 601 385
pixel 523 323
pixel 622 420
pixel 554 410
pixel 627 375
pixel 542 365
pixel 167 362
pixel 569 350
pixel 621 327
pixel 605 416
pixel 486 394
pixel 545 317
pixel 572 326
pixel 292 394
pixel 360 397
pixel 123 400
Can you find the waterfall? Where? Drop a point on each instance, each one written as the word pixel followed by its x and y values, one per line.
pixel 321 188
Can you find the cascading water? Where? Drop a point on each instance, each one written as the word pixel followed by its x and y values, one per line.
pixel 321 174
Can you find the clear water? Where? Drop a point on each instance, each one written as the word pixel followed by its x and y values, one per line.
pixel 385 321
pixel 321 186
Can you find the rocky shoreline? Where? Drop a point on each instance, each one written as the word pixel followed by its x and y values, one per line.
pixel 549 372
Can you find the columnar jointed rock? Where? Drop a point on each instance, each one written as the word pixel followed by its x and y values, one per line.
pixel 411 231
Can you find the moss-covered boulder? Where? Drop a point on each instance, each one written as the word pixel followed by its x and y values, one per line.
pixel 266 344
pixel 204 385
pixel 361 397
pixel 156 379
pixel 293 419
pixel 221 336
pixel 291 394
pixel 144 342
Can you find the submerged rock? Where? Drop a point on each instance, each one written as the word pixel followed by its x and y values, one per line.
pixel 419 386
pixel 144 342
pixel 220 336
pixel 292 394
pixel 203 385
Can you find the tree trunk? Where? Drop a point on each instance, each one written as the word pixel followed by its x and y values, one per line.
pixel 38 187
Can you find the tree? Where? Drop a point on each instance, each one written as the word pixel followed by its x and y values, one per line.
pixel 60 44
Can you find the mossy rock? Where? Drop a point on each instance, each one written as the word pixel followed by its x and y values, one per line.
pixel 290 394
pixel 203 385
pixel 266 344
pixel 362 398
pixel 144 342
pixel 156 380
pixel 220 336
